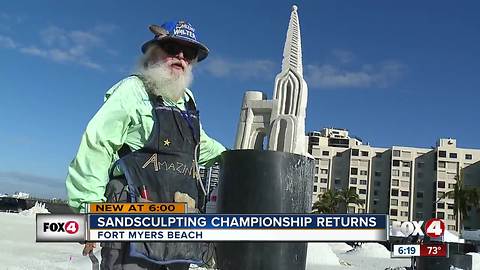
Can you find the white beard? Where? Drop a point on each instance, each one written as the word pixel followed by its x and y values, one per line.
pixel 162 82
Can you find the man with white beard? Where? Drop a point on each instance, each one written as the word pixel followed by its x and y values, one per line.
pixel 147 135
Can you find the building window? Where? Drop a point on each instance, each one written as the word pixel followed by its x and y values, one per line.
pixel 364 153
pixel 396 153
pixel 395 172
pixel 325 153
pixel 451 185
pixel 468 156
pixel 419 194
pixel 441 184
pixel 453 155
pixel 404 213
pixel 394 192
pixel 451 227
pixel 339 154
pixel 324 171
pixel 316 179
pixel 404 184
pixel 377 173
pixel 442 153
pixel 316 170
pixel 441 194
pixel 396 163
pixel 363 172
pixel 406 163
pixel 394 202
pixel 353 171
pixel 406 174
pixel 377 183
pixel 393 212
pixel 395 182
pixel 314 188
pixel 441 215
pixel 375 202
pixel 363 182
pixel 317 161
pixel 419 215
pixel 404 193
pixel 362 191
pixel 354 152
pixel 421 164
pixel 353 180
pixel 337 181
pixel 441 205
pixel 323 180
pixel 375 192
pixel 322 190
pixel 406 153
pixel 404 203
pixel 451 217
pixel 442 164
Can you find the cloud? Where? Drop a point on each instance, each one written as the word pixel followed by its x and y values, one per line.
pixel 62 56
pixel 11 18
pixel 7 42
pixel 67 46
pixel 20 140
pixel 33 51
pixel 377 76
pixel 368 75
pixel 245 69
pixel 343 56
pixel 31 183
pixel 8 22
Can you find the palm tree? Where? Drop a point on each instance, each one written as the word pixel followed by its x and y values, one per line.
pixel 348 196
pixel 333 201
pixel 464 197
pixel 327 203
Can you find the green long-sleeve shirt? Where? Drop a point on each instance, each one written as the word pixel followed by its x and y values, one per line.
pixel 125 117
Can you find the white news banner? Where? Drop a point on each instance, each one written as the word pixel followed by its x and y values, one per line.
pixel 234 235
pixel 402 251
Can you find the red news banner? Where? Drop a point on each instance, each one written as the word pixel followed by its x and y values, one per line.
pixel 433 250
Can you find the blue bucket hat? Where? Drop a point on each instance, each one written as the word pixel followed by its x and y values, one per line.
pixel 180 31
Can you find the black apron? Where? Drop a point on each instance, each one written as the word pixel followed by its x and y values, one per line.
pixel 163 166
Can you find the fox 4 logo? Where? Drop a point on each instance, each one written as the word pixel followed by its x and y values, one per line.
pixel 70 227
pixel 433 228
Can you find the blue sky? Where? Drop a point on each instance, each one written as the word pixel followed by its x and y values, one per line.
pixel 393 73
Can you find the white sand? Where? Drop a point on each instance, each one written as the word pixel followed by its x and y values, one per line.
pixel 320 254
pixel 475 260
pixel 373 250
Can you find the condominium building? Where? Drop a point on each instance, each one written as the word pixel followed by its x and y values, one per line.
pixel 408 183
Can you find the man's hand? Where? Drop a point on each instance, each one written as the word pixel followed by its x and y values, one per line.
pixel 89 246
pixel 184 198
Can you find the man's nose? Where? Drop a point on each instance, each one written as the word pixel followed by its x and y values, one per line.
pixel 180 55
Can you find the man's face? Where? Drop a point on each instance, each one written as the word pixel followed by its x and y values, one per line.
pixel 177 56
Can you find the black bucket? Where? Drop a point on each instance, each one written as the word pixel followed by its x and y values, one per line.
pixel 264 182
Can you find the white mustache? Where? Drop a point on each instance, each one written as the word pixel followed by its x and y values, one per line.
pixel 163 82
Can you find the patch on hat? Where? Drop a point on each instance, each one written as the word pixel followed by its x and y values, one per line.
pixel 176 30
pixel 185 30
